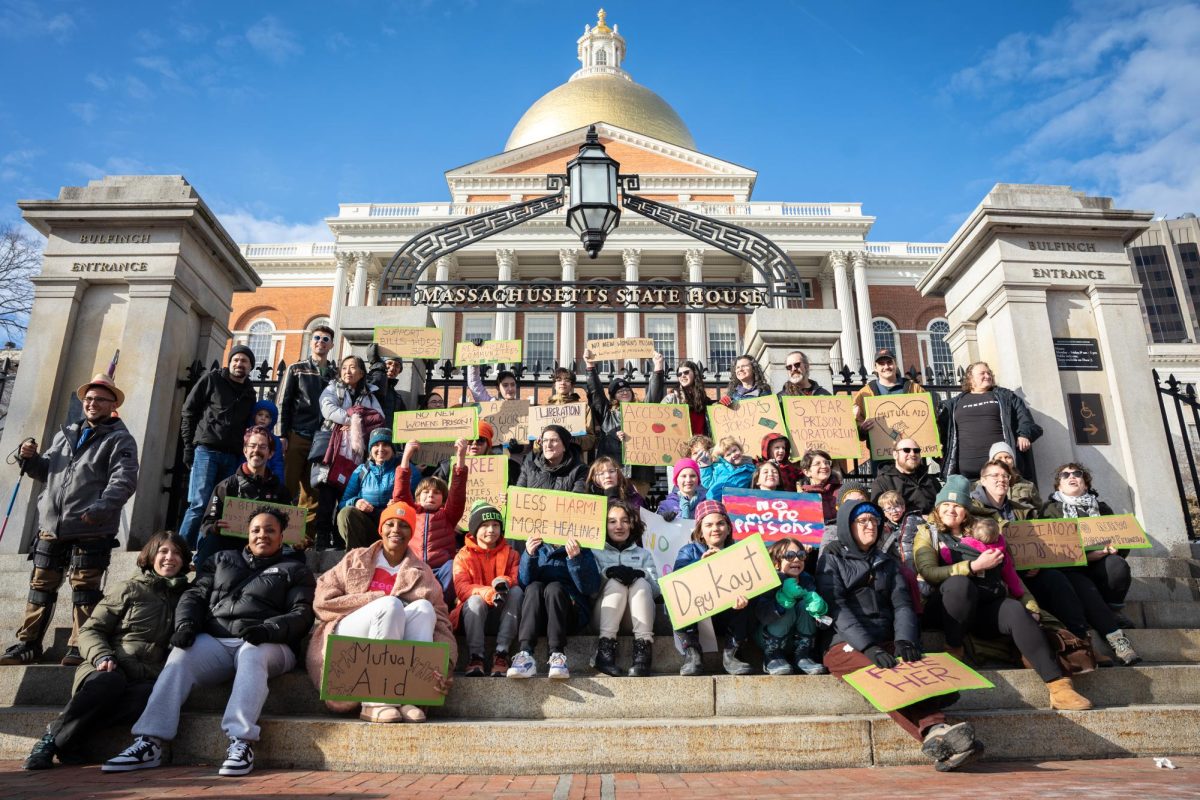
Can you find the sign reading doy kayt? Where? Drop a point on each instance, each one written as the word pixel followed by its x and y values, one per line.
pixel 552 516
pixel 620 349
pixel 713 584
pixel 902 416
pixel 493 351
pixel 1039 543
pixel 384 671
pixel 751 420
pixel 403 341
pixel 658 433
pixel 238 512
pixel 436 425
pixel 822 422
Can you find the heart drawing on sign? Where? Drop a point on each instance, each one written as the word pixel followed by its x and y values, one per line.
pixel 902 421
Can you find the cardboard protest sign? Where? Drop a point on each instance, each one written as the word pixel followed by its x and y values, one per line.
pixel 509 418
pixel 822 423
pixel 658 433
pixel 1038 543
pixel 1122 531
pixel 620 349
pixel 664 539
pixel 436 425
pixel 408 342
pixel 712 584
pixel 384 671
pixel 431 454
pixel 238 512
pixel 493 351
pixel 775 515
pixel 753 419
pixel 552 516
pixel 487 480
pixel 902 416
pixel 912 681
pixel 572 416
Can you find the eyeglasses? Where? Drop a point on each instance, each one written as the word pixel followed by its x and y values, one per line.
pixel 908 450
pixel 890 509
pixel 995 476
pixel 792 555
pixel 1071 473
pixel 799 365
pixel 91 399
pixel 320 337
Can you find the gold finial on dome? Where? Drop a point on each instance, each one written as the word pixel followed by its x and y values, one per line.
pixel 600 23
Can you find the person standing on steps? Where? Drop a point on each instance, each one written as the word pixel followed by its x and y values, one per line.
pixel 90 471
pixel 300 416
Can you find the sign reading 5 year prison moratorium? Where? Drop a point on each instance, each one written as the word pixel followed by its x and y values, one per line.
pixel 714 584
pixel 902 416
pixel 658 433
pixel 408 342
pixel 384 671
pixel 822 422
pixel 552 516
pixel 436 425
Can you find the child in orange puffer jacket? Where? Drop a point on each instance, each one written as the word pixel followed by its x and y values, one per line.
pixel 485 579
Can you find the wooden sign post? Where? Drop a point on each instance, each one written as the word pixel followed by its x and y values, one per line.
pixel 552 516
pixel 493 351
pixel 913 681
pixel 753 419
pixel 436 425
pixel 658 433
pixel 712 584
pixel 384 671
pixel 822 423
pixel 407 342
pixel 1122 531
pixel 1035 544
pixel 487 480
pixel 902 416
pixel 238 512
pixel 775 515
pixel 509 418
pixel 620 349
pixel 572 416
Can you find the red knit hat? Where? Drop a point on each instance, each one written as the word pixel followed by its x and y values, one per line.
pixel 706 507
pixel 401 511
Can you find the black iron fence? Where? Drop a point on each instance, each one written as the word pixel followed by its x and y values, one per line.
pixel 1180 409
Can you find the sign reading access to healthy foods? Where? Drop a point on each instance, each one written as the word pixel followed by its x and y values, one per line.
pixel 902 416
pixel 384 671
pixel 912 681
pixel 658 433
pixel 713 584
pixel 775 515
pixel 552 516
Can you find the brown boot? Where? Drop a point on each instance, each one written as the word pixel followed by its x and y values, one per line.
pixel 1063 696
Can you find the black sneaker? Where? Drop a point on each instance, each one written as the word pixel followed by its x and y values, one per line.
pixel 42 755
pixel 943 740
pixel 239 759
pixel 475 667
pixel 72 658
pixel 21 653
pixel 144 753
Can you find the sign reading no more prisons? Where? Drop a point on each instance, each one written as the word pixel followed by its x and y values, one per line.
pixel 552 516
pixel 712 584
pixel 913 681
pixel 238 512
pixel 776 515
pixel 384 671
pixel 401 341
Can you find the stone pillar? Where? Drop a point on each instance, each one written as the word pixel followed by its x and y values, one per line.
pixel 772 333
pixel 632 259
pixel 841 288
pixel 862 297
pixel 373 291
pixel 506 321
pixel 827 303
pixel 339 294
pixel 362 263
pixel 568 259
pixel 445 319
pixel 139 264
pixel 697 339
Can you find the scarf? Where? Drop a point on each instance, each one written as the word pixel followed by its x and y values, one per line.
pixel 1086 505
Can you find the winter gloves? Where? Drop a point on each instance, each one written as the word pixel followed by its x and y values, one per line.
pixel 791 592
pixel 624 575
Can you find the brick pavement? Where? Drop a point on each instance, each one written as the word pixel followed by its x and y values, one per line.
pixel 1111 778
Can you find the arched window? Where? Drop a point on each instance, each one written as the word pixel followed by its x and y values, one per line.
pixel 941 359
pixel 260 341
pixel 602 58
pixel 306 348
pixel 885 336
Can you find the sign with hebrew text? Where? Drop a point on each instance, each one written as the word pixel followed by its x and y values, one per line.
pixel 408 342
pixel 1038 543
pixel 1122 531
pixel 902 416
pixel 384 671
pixel 748 421
pixel 713 584
pixel 913 681
pixel 822 422
pixel 657 433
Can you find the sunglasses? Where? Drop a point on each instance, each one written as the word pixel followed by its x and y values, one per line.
pixel 1071 473
pixel 794 367
pixel 908 450
pixel 322 338
pixel 683 372
pixel 792 555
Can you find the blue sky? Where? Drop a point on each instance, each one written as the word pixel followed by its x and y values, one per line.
pixel 277 112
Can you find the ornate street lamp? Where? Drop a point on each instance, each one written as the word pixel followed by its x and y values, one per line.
pixel 593 180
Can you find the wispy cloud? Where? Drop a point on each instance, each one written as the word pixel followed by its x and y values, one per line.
pixel 158 64
pixel 23 19
pixel 271 39
pixel 136 88
pixel 98 82
pixel 14 165
pixel 85 111
pixel 246 227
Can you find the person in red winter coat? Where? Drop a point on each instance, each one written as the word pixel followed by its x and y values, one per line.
pixel 777 448
pixel 438 510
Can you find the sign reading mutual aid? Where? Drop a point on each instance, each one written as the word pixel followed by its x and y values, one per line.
pixel 487 480
pixel 620 349
pixel 658 433
pixel 1122 531
pixel 384 671
pixel 552 516
pixel 493 351
pixel 902 416
pixel 775 515
pixel 572 416
pixel 408 342
pixel 713 584
pixel 751 420
pixel 913 681
pixel 822 423
pixel 1035 544
pixel 238 512
pixel 436 425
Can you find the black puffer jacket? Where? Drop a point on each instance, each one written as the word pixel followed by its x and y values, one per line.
pixel 235 591
pixel 569 475
pixel 919 488
pixel 216 411
pixel 300 397
pixel 868 597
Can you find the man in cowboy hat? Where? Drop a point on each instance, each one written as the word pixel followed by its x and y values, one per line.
pixel 90 470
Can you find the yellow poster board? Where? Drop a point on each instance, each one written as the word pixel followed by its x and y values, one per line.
pixel 402 341
pixel 913 681
pixel 509 419
pixel 824 422
pixel 1122 531
pixel 487 480
pixel 658 433
pixel 572 416
pixel 552 516
pixel 493 351
pixel 1040 543
pixel 620 349
pixel 436 425
pixel 751 420
pixel 713 584
pixel 902 416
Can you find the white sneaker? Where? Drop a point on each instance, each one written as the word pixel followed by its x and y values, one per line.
pixel 558 667
pixel 523 665
pixel 144 753
pixel 239 759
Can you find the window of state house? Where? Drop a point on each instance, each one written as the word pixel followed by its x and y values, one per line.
pixel 723 345
pixel 941 360
pixel 663 331
pixel 600 326
pixel 540 345
pixel 885 336
pixel 261 339
pixel 478 326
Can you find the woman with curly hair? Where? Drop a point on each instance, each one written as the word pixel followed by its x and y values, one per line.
pixel 747 380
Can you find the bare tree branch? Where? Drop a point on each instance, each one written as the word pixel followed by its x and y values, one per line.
pixel 20 260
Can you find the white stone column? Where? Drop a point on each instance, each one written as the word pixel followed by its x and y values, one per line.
pixel 632 259
pixel 568 259
pixel 339 292
pixel 506 321
pixel 841 288
pixel 373 291
pixel 697 340
pixel 358 294
pixel 862 297
pixel 445 319
pixel 827 303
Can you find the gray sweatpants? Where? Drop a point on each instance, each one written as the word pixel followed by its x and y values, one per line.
pixel 206 663
pixel 477 616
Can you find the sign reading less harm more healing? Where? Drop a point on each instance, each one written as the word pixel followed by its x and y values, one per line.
pixel 658 433
pixel 713 584
pixel 775 515
pixel 508 418
pixel 408 342
pixel 822 423
pixel 902 416
pixel 384 671
pixel 751 420
pixel 436 425
pixel 620 349
pixel 1122 531
pixel 493 351
pixel 238 512
pixel 552 516
pixel 572 416
pixel 1035 544
pixel 487 480
pixel 913 681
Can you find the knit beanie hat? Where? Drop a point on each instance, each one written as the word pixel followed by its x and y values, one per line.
pixel 486 431
pixel 401 511
pixel 482 511
pixel 706 507
pixel 956 490
pixel 849 487
pixel 1000 447
pixel 866 507
pixel 682 464
pixel 617 385
pixel 243 350
pixel 379 435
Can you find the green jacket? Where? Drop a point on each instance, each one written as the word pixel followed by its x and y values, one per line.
pixel 133 626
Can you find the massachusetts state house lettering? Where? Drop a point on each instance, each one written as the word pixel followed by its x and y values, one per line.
pixel 114 238
pixel 1069 274
pixel 600 295
pixel 1067 247
pixel 109 266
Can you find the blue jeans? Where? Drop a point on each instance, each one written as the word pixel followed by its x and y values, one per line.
pixel 208 468
pixel 445 576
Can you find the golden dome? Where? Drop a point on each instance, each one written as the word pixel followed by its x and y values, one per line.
pixel 600 98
